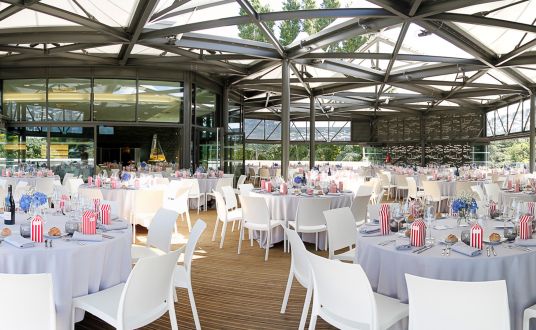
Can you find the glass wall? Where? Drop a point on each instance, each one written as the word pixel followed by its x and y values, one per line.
pixel 205 108
pixel 325 131
pixel 25 99
pixel 72 150
pixel 114 100
pixel 69 99
pixel 160 101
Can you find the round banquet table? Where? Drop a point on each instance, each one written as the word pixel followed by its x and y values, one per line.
pixel 448 188
pixel 506 197
pixel 284 207
pixel 30 179
pixel 124 197
pixel 385 267
pixel 77 268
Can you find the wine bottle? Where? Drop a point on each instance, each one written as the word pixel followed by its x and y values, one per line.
pixel 9 207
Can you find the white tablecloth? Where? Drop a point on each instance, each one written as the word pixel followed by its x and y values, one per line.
pixel 30 179
pixel 124 197
pixel 506 198
pixel 385 268
pixel 76 269
pixel 284 207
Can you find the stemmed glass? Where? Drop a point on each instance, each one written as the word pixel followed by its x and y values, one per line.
pixel 429 216
pixel 398 216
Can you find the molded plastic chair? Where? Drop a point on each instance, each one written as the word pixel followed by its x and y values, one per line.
pixel 310 217
pixel 359 208
pixel 256 216
pixel 176 199
pixel 45 185
pixel 219 185
pixel 183 273
pixel 448 311
pixel 432 189
pixel 413 191
pixel 28 302
pixel 342 233
pixel 264 173
pixel 225 216
pixel 245 189
pixel 144 298
pixel 90 193
pixel 159 235
pixel 252 175
pixel 66 178
pixel 73 185
pixel 365 189
pixel 492 191
pixel 231 202
pixel 478 192
pixel 240 181
pixel 146 205
pixel 401 184
pixel 195 193
pixel 343 297
pixel 299 268
pixel 385 183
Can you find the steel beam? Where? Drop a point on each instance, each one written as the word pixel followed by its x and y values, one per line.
pixel 312 131
pixel 532 123
pixel 187 143
pixel 285 118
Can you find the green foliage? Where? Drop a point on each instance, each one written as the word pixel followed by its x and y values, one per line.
pixel 309 25
pixel 289 29
pixel 251 31
pixel 300 152
pixel 509 151
pixel 33 147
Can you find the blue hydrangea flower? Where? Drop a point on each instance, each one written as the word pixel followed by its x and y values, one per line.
pixel 125 176
pixel 25 202
pixel 298 180
pixel 39 198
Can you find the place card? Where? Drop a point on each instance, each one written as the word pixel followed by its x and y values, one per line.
pixel 37 229
pixel 418 233
pixel 89 223
pixel 525 227
pixel 476 236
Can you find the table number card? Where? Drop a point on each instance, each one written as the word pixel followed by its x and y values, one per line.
pixel 37 229
pixel 89 223
pixel 384 219
pixel 418 233
pixel 105 214
pixel 477 234
pixel 525 227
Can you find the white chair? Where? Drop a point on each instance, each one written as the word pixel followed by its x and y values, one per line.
pixel 66 179
pixel 401 185
pixel 90 193
pixel 219 184
pixel 195 193
pixel 240 181
pixel 225 216
pixel 385 183
pixel 364 189
pixel 45 185
pixel 374 210
pixel 252 175
pixel 492 191
pixel 146 205
pixel 343 297
pixel 478 192
pixel 256 216
pixel 342 233
pixel 359 208
pixel 179 204
pixel 413 191
pixel 299 268
pixel 183 273
pixel 463 187
pixel 264 173
pixel 28 293
pixel 144 298
pixel 73 186
pixel 448 311
pixel 159 236
pixel 432 189
pixel 245 189
pixel 310 217
pixel 231 202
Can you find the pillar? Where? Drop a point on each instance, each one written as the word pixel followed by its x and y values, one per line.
pixel 285 117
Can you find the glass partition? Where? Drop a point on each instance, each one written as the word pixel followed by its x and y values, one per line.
pixel 25 99
pixel 72 150
pixel 160 101
pixel 114 99
pixel 69 99
pixel 205 108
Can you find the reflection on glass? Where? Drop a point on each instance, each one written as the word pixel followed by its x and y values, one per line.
pixel 114 99
pixel 68 99
pixel 71 150
pixel 160 101
pixel 234 154
pixel 26 144
pixel 235 118
pixel 25 99
pixel 205 108
pixel 208 149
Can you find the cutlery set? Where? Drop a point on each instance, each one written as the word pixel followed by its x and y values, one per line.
pixel 422 249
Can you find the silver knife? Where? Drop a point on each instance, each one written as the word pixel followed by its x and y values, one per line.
pixel 426 248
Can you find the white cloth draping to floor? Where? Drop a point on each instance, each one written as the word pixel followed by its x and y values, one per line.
pixel 506 198
pixel 76 269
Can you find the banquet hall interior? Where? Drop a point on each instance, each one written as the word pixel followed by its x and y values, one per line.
pixel 268 164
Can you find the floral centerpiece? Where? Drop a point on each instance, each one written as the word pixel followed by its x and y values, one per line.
pixel 463 205
pixel 37 199
pixel 125 176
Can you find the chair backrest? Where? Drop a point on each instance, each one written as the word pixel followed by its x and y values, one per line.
pixel 146 204
pixel 45 185
pixel 492 191
pixel 412 187
pixel 384 179
pixel 374 210
pixel 264 172
pixel 147 291
pixel 221 207
pixel 245 189
pixel 66 178
pixel 255 210
pixel 342 231
pixel 90 193
pixel 230 197
pixel 241 180
pixel 401 181
pixel 432 189
pixel 73 185
pixel 359 208
pixel 311 212
pixel 365 189
pixel 219 183
pixel 491 311
pixel 478 192
pixel 161 229
pixel 299 263
pixel 344 290
pixel 464 187
pixel 195 234
pixel 193 184
pixel 28 293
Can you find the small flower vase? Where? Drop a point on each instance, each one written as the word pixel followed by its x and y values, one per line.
pixel 462 218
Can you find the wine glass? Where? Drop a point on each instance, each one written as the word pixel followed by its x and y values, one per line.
pixel 429 216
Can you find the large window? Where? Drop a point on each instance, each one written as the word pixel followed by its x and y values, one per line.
pixel 513 118
pixel 205 108
pixel 325 131
pixel 69 99
pixel 72 150
pixel 160 101
pixel 114 100
pixel 25 99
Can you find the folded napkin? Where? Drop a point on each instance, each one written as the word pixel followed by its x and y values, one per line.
pixel 402 244
pixel 526 242
pixel 19 241
pixel 466 249
pixel 368 229
pixel 78 236
pixel 114 226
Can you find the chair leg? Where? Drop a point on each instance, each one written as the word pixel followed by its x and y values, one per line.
pixel 326 241
pixel 198 202
pixel 188 221
pixel 176 229
pixel 316 241
pixel 232 228
pixel 268 241
pixel 73 316
pixel 175 297
pixel 223 230
pixel 305 310
pixel 526 319
pixel 194 308
pixel 240 236
pixel 171 309
pixel 312 321
pixel 215 229
pixel 287 290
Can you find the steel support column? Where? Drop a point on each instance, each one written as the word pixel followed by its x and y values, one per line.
pixel 423 142
pixel 312 131
pixel 285 117
pixel 187 120
pixel 532 132
pixel 224 123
